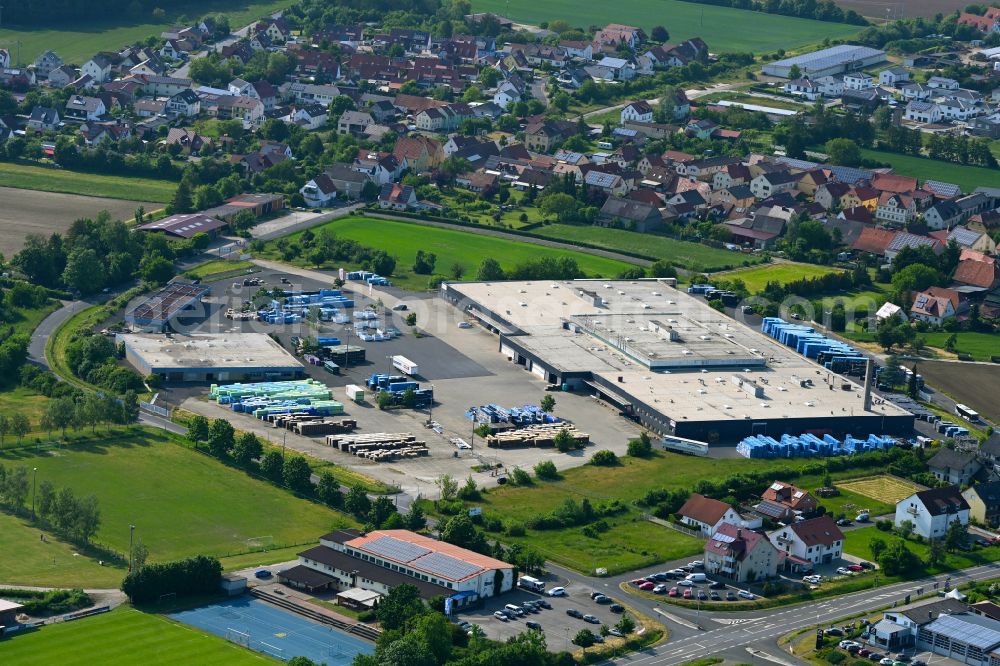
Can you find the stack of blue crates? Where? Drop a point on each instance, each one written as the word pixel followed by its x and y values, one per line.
pixel 831 354
pixel 519 416
pixel 808 445
pixel 397 385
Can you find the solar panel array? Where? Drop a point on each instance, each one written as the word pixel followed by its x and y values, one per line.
pixel 166 303
pixel 395 549
pixel 966 629
pixel 447 567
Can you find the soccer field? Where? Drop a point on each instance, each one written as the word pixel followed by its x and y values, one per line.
pixel 723 28
pixel 124 637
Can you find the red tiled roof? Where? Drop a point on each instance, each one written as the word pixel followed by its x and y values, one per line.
pixel 874 240
pixel 889 182
pixel 976 273
pixel 704 509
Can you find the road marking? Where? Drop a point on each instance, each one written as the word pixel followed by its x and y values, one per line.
pixel 674 618
pixel 769 657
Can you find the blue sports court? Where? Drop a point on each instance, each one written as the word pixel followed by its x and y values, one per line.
pixel 275 632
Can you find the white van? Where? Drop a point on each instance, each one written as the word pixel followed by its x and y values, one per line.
pixel 697 578
pixel 513 608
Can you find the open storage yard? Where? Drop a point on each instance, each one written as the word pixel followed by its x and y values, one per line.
pixel 757 31
pixel 975 384
pixel 887 489
pixel 35 212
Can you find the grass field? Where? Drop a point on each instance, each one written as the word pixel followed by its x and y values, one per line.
pixel 77 41
pixel 125 636
pixel 27 402
pixel 756 278
pixel 30 177
pixel 858 542
pixel 403 239
pixel 883 488
pixel 182 503
pixel 980 345
pixel 694 256
pixel 213 270
pixel 756 31
pixel 968 177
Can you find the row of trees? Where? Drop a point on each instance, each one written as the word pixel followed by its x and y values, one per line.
pixel 190 577
pixel 76 518
pixel 819 10
pixel 93 358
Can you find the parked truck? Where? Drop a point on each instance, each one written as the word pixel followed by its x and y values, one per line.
pixel 529 583
pixel 355 393
pixel 405 365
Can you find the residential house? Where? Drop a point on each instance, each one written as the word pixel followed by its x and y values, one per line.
pixel 759 231
pixel 45 63
pixel 923 112
pixel 972 239
pixel 984 502
pixel 99 67
pixel 942 83
pixel 319 192
pixel 382 168
pixel 421 153
pixel 858 81
pixel 630 214
pixel 737 196
pixel 959 109
pixel 477 181
pixel 903 239
pixel 931 511
pixel 348 181
pixel 782 502
pixel 803 88
pixel 639 111
pixel 542 137
pixel 768 184
pixel 396 196
pixel 163 86
pixel 60 77
pixel 706 515
pixel 246 109
pixel 915 91
pixel 578 49
pixel 614 69
pixel 731 175
pixel 354 122
pixel 935 304
pixel 443 119
pixel 831 85
pixel 740 555
pixel 148 108
pixel 189 140
pixel 896 209
pixel 893 76
pixel 186 103
pixel 80 108
pixel 829 195
pixel 309 116
pixel 95 134
pixel 954 467
pixel 311 93
pixel 611 184
pixel 975 273
pixel 890 182
pixel 809 542
pixel 43 118
pixel 616 34
pixel 943 215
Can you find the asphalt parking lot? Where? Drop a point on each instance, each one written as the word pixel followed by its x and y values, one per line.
pixel 558 627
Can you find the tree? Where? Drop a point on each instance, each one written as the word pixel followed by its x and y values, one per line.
pixel 460 531
pixel 84 271
pixel 156 270
pixel 844 152
pixel 935 553
pixel 357 503
pixel 893 331
pixel 19 425
pixel 640 447
pixel 414 519
pixel 328 490
pixel 877 546
pixel 295 473
pixel 604 458
pixel 448 487
pixel 45 498
pixel 955 536
pixel 546 469
pixel 5 427
pixel 402 603
pixel 626 624
pixel 560 206
pixel 182 201
pixel 489 270
pixel 424 262
pixel 662 269
pixel 88 518
pixel 905 528
pixel 659 34
pixel 272 466
pixel 381 509
pixel 247 449
pixel 198 429
pixel 129 408
pixel 897 558
pixel 221 437
pixel 140 553
pixel 911 385
pixel 564 441
pixel 61 412
pixel 548 403
pixel 794 72
pixel 916 277
pixel 584 638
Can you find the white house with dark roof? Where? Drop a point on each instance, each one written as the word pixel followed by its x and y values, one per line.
pixel 740 555
pixel 955 467
pixel 98 68
pixel 932 511
pixel 810 542
pixel 639 111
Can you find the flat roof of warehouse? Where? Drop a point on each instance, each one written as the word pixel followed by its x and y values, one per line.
pixel 224 350
pixel 166 303
pixel 184 225
pixel 692 375
pixel 830 56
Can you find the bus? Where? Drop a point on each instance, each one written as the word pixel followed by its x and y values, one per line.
pixel 966 412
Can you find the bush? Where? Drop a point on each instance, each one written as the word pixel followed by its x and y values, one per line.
pixel 519 477
pixel 884 525
pixel 604 458
pixel 546 470
pixel 641 447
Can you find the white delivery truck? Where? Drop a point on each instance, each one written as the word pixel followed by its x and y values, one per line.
pixel 355 393
pixel 405 365
pixel 529 583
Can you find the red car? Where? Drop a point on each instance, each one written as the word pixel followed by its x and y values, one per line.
pixel 856 567
pixel 647 586
pixel 674 592
pixel 637 582
pixel 688 593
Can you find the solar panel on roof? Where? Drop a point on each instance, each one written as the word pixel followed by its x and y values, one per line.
pixel 447 566
pixel 966 629
pixel 395 549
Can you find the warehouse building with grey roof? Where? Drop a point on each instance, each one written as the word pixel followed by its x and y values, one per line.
pixel 825 62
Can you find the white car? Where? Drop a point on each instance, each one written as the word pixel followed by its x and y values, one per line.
pixel 843 645
pixel 500 616
pixel 844 571
pixel 697 564
pixel 814 579
pixel 557 592
pixel 685 583
pixel 743 594
pixel 464 324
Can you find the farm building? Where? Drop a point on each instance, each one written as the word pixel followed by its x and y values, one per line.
pixel 186 225
pixel 159 310
pixel 825 62
pixel 210 358
pixel 668 360
pixel 258 204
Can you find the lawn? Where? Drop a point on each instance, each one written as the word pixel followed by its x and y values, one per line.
pixel 980 345
pixel 125 636
pixel 883 488
pixel 25 401
pixel 756 278
pixel 858 543
pixel 693 256
pixel 182 503
pixel 77 41
pixel 26 320
pixel 29 177
pixel 968 177
pixel 217 268
pixel 756 31
pixel 403 239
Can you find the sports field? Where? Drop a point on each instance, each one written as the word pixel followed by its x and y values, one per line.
pixel 883 488
pixel 968 177
pixel 723 28
pixel 693 256
pixel 77 41
pixel 182 503
pixel 403 239
pixel 757 278
pixel 125 637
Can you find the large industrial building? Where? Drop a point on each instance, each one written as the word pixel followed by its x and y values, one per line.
pixel 825 62
pixel 174 300
pixel 210 358
pixel 380 560
pixel 669 360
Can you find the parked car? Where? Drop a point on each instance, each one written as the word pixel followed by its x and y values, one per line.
pixel 689 593
pixel 875 656
pixel 702 595
pixel 905 658
pixel 844 571
pixel 594 594
pixel 674 592
pixel 744 594
pixel 660 576
pixel 677 573
pixel 400 307
pixel 844 522
pixel 647 586
pixel 637 582
pixel 531 624
pixel 717 585
pixel 886 661
pixel 615 632
pixel 866 565
pixel 730 596
pixel 500 616
pixel 544 604
pixel 685 583
pixel 697 564
pixel 591 619
pixel 856 568
pixel 602 599
pixel 833 631
pixel 557 592
pixel 262 573
pixel 843 645
pixel 660 589
pixel 864 652
pixel 714 596
pixel 514 608
pixel 918 662
pixel 616 608
pixel 572 612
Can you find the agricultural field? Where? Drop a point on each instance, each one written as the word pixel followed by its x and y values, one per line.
pixel 452 246
pixel 26 211
pixel 125 636
pixel 693 256
pixel 51 179
pixel 757 278
pixel 758 32
pixel 968 177
pixel 183 503
pixel 883 488
pixel 77 41
pixel 974 384
pixel 876 9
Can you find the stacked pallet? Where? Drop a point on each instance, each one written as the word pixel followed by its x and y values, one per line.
pixel 380 446
pixel 309 425
pixel 535 435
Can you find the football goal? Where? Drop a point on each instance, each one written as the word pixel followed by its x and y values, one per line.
pixel 238 637
pixel 260 543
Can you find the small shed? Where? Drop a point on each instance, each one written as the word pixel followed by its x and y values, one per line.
pixel 234 585
pixel 358 599
pixel 8 613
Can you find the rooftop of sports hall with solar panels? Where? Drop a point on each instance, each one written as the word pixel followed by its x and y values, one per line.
pixel 668 358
